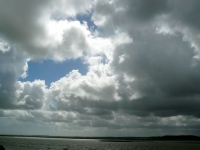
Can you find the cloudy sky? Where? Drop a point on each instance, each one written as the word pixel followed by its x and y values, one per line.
pixel 100 67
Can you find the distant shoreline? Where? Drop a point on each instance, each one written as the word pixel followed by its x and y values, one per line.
pixel 119 139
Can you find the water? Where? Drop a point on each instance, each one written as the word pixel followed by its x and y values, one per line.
pixel 29 143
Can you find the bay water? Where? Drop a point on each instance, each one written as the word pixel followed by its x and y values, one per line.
pixel 36 143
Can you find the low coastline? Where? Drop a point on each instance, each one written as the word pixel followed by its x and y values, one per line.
pixel 118 139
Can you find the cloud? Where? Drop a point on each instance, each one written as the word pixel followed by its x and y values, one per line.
pixel 125 15
pixel 12 66
pixel 30 94
pixel 32 27
pixel 161 61
pixel 15 94
pixel 143 66
pixel 161 66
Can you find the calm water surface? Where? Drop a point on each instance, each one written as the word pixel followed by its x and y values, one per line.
pixel 25 143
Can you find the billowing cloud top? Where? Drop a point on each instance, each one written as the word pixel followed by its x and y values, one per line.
pixel 143 67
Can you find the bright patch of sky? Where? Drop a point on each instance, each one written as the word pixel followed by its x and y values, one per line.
pixel 51 71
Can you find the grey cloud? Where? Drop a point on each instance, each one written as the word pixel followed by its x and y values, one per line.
pixel 10 69
pixel 162 106
pixel 7 90
pixel 128 15
pixel 69 43
pixel 164 76
pixel 159 106
pixel 143 9
pixel 13 63
pixel 18 21
pixel 104 93
pixel 14 94
pixel 161 61
pixel 122 121
pixel 86 107
pixel 31 95
pixel 185 12
pixel 56 116
pixel 134 15
pixel 2 113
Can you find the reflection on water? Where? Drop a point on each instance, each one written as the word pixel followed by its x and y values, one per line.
pixel 14 143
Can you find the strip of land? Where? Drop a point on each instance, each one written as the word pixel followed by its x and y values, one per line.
pixel 120 139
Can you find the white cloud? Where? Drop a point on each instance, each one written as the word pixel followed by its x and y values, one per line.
pixel 30 95
pixel 91 86
pixel 4 46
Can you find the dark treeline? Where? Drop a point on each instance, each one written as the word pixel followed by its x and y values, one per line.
pixel 155 138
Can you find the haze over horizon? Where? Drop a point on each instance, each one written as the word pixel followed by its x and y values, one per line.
pixel 100 67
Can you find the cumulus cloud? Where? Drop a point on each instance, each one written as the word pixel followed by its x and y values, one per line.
pixel 30 94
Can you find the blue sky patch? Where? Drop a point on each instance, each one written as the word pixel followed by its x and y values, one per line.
pixel 51 71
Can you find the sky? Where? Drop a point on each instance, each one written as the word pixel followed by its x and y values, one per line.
pixel 100 67
pixel 51 71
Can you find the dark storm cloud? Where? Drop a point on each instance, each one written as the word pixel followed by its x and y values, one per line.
pixel 144 10
pixel 158 61
pixel 162 106
pixel 166 74
pixel 185 12
pixel 128 14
